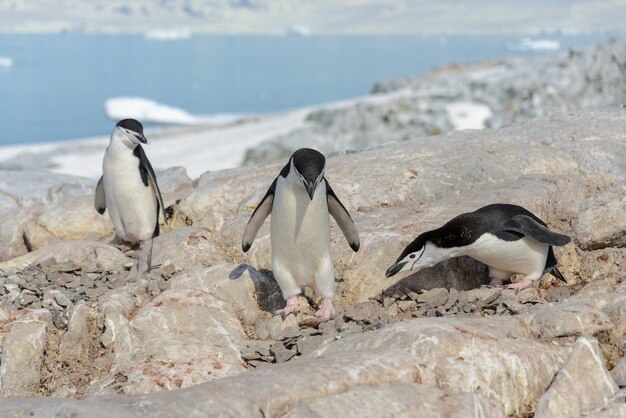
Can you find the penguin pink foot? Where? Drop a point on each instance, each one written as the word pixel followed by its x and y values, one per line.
pixel 326 310
pixel 496 281
pixel 522 284
pixel 293 306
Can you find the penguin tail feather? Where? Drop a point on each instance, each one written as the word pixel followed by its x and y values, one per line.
pixel 556 273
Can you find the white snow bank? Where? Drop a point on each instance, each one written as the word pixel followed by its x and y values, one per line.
pixel 468 115
pixel 529 44
pixel 150 111
pixel 6 62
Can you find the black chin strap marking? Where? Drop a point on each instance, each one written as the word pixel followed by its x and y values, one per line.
pixel 418 258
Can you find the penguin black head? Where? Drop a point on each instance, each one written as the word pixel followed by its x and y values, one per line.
pixel 419 254
pixel 132 130
pixel 309 166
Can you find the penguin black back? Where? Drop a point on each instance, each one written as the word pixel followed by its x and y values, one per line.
pixel 468 227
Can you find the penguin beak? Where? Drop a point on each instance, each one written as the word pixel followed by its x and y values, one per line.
pixel 310 189
pixel 393 270
pixel 141 138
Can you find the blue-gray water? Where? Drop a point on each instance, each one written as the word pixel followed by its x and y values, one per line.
pixel 57 85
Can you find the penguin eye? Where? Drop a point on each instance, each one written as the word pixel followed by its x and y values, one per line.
pixel 412 256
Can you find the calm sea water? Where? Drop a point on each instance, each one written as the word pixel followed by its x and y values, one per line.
pixel 57 85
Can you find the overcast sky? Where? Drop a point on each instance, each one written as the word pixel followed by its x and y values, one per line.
pixel 318 16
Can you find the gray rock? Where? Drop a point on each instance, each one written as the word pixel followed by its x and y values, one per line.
pixel 492 356
pixel 107 257
pixel 309 343
pixel 280 353
pixel 74 345
pixel 28 297
pixel 174 184
pixel 114 313
pixel 528 295
pixel 276 326
pixel 22 355
pixel 614 410
pixel 433 298
pixel 255 350
pixel 601 222
pixel 396 400
pixel 567 319
pixel 182 338
pixel 185 248
pixel 49 301
pixel 582 384
pixel 248 291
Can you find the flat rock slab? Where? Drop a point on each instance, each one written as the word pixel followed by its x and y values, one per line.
pixel 576 318
pixel 581 386
pixel 103 256
pixel 397 400
pixel 493 356
pixel 183 337
pixel 601 222
pixel 22 355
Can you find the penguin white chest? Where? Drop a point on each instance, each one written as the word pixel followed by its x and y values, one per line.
pixel 526 255
pixel 300 234
pixel 131 204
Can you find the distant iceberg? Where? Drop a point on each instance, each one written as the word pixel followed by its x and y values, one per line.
pixel 529 44
pixel 168 34
pixel 6 62
pixel 147 110
pixel 297 30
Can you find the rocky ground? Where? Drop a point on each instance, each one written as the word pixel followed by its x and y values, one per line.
pixel 490 94
pixel 84 332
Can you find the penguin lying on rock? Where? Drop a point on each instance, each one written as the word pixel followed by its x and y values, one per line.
pixel 300 201
pixel 128 187
pixel 507 238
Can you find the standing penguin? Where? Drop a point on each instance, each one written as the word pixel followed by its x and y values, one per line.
pixel 507 238
pixel 128 187
pixel 300 200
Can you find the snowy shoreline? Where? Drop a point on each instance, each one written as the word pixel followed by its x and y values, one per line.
pixel 217 145
pixel 198 149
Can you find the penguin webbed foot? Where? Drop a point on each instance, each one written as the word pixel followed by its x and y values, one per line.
pixel 522 284
pixel 326 310
pixel 293 306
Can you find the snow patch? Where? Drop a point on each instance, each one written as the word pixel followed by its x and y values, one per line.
pixel 468 115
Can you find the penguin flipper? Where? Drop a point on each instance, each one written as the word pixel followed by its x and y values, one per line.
pixel 343 218
pixel 528 226
pixel 100 201
pixel 262 211
pixel 149 179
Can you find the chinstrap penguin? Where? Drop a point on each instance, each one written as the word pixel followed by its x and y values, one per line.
pixel 507 238
pixel 300 200
pixel 128 187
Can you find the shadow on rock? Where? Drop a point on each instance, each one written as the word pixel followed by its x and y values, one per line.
pixel 462 273
pixel 269 296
